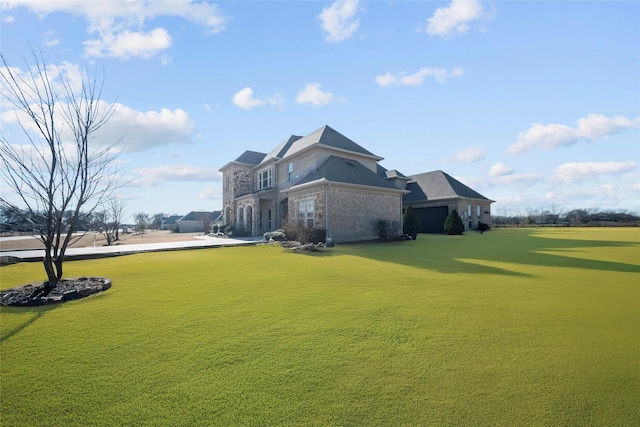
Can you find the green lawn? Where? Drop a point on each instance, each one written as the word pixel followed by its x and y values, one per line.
pixel 511 327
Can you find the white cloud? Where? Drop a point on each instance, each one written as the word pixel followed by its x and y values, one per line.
pixel 127 44
pixel 138 130
pixel 483 182
pixel 50 39
pixel 455 18
pixel 312 94
pixel 245 100
pixel 403 79
pixel 466 155
pixel 120 25
pixel 552 136
pixel 500 169
pixel 572 172
pixel 212 192
pixel 151 176
pixel 338 20
pixel 142 130
pixel 8 19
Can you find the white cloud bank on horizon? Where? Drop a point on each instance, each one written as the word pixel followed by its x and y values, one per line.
pixel 127 129
pixel 151 176
pixel 552 136
pixel 440 75
pixel 119 25
pixel 455 19
pixel 211 192
pixel 338 20
pixel 568 173
pixel 466 155
pixel 602 196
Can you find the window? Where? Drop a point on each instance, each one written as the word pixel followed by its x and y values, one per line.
pixel 479 211
pixel 290 172
pixel 264 179
pixel 469 211
pixel 269 220
pixel 260 220
pixel 305 213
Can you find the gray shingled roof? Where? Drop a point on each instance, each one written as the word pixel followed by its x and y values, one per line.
pixel 281 149
pixel 347 171
pixel 437 185
pixel 329 137
pixel 250 158
pixel 200 215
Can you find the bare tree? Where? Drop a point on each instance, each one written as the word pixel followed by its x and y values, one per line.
pixel 108 220
pixel 142 222
pixel 207 220
pixel 58 174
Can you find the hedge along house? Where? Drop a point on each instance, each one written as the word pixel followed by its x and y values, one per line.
pixel 325 180
pixel 434 194
pixel 322 180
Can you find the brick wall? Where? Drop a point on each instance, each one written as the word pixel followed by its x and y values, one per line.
pixel 353 212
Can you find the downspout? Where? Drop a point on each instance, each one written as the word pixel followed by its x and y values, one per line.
pixel 326 208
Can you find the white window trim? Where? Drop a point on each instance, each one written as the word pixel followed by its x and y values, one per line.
pixel 268 179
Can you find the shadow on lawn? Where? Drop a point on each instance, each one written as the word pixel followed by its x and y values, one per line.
pixel 37 313
pixel 465 254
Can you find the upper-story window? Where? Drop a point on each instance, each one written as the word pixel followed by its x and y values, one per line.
pixel 479 211
pixel 469 211
pixel 264 179
pixel 290 172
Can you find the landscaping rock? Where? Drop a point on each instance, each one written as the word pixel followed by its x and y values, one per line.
pixel 66 290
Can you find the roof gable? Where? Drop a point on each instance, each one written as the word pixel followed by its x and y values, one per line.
pixel 347 171
pixel 328 137
pixel 281 149
pixel 250 158
pixel 438 185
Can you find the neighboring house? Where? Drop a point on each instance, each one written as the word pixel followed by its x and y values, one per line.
pixel 199 222
pixel 170 222
pixel 434 194
pixel 321 180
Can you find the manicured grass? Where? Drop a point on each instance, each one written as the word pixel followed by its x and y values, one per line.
pixel 511 327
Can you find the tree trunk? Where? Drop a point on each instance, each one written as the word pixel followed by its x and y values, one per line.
pixel 52 276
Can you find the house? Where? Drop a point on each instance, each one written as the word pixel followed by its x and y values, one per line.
pixel 199 222
pixel 170 222
pixel 434 194
pixel 321 180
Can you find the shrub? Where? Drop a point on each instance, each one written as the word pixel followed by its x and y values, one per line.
pixel 453 223
pixel 278 236
pixel 411 223
pixel 302 234
pixel 316 235
pixel 381 228
pixel 482 227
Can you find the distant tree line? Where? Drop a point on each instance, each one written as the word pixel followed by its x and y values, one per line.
pixel 554 216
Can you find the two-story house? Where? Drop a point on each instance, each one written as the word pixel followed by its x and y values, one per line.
pixel 322 180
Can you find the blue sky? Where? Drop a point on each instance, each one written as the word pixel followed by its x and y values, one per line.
pixel 534 104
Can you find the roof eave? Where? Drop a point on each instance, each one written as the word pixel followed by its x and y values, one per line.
pixel 323 181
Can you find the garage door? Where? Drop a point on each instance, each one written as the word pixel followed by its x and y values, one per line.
pixel 432 219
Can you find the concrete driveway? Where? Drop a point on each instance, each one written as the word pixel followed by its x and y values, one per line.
pixel 99 251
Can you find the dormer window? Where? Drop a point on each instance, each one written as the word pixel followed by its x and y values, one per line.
pixel 264 179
